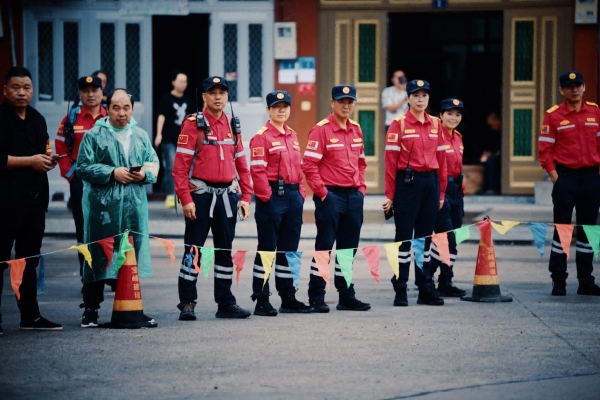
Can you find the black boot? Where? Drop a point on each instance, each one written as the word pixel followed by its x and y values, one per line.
pixel 264 308
pixel 319 306
pixel 429 296
pixel 401 300
pixel 352 304
pixel 289 304
pixel 447 289
pixel 559 288
pixel 589 290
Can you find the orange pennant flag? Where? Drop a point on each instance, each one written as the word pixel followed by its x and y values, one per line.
pixel 194 249
pixel 372 255
pixel 238 260
pixel 322 262
pixel 565 233
pixel 170 247
pixel 17 268
pixel 441 242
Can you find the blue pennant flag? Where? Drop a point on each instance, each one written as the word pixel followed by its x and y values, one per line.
pixel 188 261
pixel 41 281
pixel 418 246
pixel 293 259
pixel 538 230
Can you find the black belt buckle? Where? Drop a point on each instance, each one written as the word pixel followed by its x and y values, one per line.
pixel 280 187
pixel 409 176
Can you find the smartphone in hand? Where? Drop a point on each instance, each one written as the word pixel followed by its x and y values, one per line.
pixel 389 214
pixel 137 168
pixel 58 157
pixel 241 213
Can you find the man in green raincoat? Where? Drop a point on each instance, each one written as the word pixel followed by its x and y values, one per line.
pixel 114 196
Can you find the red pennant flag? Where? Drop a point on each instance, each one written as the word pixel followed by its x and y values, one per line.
pixel 322 262
pixel 441 242
pixel 17 268
pixel 108 246
pixel 194 249
pixel 238 260
pixel 372 255
pixel 170 247
pixel 565 233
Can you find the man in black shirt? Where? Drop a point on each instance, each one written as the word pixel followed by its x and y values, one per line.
pixel 173 108
pixel 25 159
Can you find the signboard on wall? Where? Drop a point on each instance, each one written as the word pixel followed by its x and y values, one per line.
pixel 586 11
pixel 285 40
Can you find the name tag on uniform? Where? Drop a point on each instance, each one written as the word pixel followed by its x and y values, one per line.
pixel 334 140
pixel 564 122
pixel 275 143
pixel 183 139
pixel 78 127
pixel 434 131
pixel 297 144
pixel 409 131
pixel 357 140
pixel 591 120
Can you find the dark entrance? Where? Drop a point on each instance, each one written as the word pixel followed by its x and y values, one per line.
pixel 178 43
pixel 460 54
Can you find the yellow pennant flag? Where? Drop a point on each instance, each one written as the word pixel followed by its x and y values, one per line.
pixel 267 258
pixel 391 250
pixel 504 226
pixel 83 249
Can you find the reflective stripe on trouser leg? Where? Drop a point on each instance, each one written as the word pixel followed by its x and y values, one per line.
pixel 223 229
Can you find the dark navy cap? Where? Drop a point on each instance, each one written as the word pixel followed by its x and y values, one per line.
pixel 212 81
pixel 416 84
pixel 91 80
pixel 343 91
pixel 277 96
pixel 570 77
pixel 449 104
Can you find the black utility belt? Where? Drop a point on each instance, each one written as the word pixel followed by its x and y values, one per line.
pixel 216 185
pixel 290 186
pixel 582 170
pixel 433 172
pixel 341 189
pixel 457 180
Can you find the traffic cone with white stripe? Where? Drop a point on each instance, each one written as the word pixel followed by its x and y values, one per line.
pixel 486 286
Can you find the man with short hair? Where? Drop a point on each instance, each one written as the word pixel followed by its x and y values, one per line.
pixel 393 98
pixel 25 159
pixel 116 160
pixel 210 169
pixel 73 126
pixel 569 150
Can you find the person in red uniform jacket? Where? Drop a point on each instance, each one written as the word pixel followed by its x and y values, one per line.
pixel 334 164
pixel 276 172
pixel 82 119
pixel 569 150
pixel 209 156
pixel 415 185
pixel 450 216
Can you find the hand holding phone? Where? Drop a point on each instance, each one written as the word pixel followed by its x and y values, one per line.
pixel 136 168
pixel 57 157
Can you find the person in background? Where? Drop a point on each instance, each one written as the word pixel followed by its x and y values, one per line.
pixel 491 144
pixel 393 98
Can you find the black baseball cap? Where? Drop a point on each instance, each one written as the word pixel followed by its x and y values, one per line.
pixel 417 84
pixel 449 104
pixel 343 91
pixel 569 77
pixel 91 80
pixel 277 96
pixel 212 81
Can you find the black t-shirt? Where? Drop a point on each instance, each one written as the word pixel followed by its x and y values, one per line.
pixel 22 138
pixel 174 110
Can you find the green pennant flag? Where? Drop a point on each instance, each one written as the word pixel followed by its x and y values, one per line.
pixel 207 259
pixel 124 247
pixel 593 235
pixel 462 234
pixel 345 258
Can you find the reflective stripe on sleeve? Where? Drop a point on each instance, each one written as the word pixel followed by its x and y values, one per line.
pixel 313 155
pixel 546 139
pixel 393 148
pixel 185 151
pixel 259 162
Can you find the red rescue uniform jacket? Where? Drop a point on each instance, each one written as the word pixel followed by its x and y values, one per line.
pixel 335 156
pixel 275 155
pixel 219 163
pixel 570 138
pixel 454 152
pixel 83 123
pixel 422 142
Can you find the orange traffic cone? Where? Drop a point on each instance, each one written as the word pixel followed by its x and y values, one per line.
pixel 128 309
pixel 486 287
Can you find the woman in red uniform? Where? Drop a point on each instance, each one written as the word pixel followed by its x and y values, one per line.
pixel 415 183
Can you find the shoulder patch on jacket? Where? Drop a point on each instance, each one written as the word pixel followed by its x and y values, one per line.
pixel 552 109
pixel 353 122
pixel 457 133
pixel 191 117
pixel 323 122
pixel 589 103
pixel 400 118
pixel 261 130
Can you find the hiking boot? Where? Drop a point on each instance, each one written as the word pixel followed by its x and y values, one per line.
pixel 40 324
pixel 449 290
pixel 401 300
pixel 559 289
pixel 319 306
pixel 187 312
pixel 430 297
pixel 589 290
pixel 289 304
pixel 264 308
pixel 232 311
pixel 89 318
pixel 352 304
